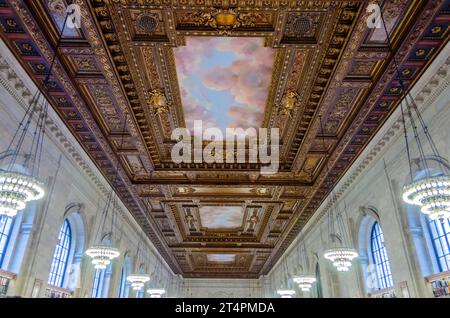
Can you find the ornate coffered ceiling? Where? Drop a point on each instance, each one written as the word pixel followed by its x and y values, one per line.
pixel 223 220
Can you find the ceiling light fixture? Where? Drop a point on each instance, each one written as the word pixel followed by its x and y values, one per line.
pixel 304 280
pixel 340 253
pixel 17 188
pixel 138 281
pixel 432 191
pixel 286 293
pixel 102 254
pixel 156 292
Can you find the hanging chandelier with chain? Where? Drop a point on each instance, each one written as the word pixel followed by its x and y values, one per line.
pixel 431 192
pixel 156 292
pixel 304 280
pixel 285 291
pixel 340 253
pixel 138 280
pixel 104 253
pixel 20 182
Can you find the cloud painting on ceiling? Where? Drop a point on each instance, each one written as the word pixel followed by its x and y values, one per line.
pixel 221 217
pixel 221 258
pixel 224 81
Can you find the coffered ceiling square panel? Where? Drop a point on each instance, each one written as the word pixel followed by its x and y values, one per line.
pixel 240 63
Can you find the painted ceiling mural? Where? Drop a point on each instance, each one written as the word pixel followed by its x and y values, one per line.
pixel 227 62
pixel 217 217
pixel 224 81
pixel 221 258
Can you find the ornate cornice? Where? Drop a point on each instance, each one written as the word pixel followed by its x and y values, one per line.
pixel 438 83
pixel 13 84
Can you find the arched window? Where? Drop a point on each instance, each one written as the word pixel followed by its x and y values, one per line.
pixel 61 256
pixel 440 236
pixel 6 226
pixel 380 258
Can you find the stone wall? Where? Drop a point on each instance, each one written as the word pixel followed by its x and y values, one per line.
pixel 371 190
pixel 75 185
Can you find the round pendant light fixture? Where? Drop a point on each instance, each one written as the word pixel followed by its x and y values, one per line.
pixel 102 255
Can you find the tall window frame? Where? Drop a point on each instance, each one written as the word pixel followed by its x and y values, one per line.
pixel 97 286
pixel 318 282
pixel 122 283
pixel 6 227
pixel 440 238
pixel 380 258
pixel 61 255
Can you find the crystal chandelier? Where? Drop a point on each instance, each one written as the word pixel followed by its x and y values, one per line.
pixel 432 194
pixel 102 255
pixel 340 254
pixel 432 191
pixel 286 293
pixel 138 281
pixel 305 281
pixel 17 188
pixel 156 292
pixel 341 257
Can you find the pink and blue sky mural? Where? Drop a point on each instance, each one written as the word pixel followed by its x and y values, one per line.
pixel 221 258
pixel 224 81
pixel 221 217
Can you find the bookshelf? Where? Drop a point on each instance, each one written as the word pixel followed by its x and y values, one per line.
pixel 440 284
pixel 383 293
pixel 5 279
pixel 56 292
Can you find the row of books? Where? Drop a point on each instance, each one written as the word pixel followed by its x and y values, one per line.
pixel 4 283
pixel 386 294
pixel 441 287
pixel 56 293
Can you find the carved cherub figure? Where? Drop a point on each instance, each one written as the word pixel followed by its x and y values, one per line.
pixel 158 102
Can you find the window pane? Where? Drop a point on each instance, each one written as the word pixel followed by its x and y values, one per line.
pixel 5 234
pixel 380 258
pixel 440 234
pixel 122 283
pixel 61 256
pixel 98 283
